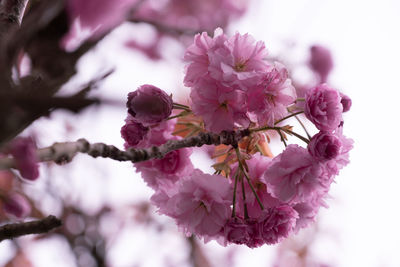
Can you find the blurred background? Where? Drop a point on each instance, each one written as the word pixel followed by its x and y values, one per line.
pixel 108 220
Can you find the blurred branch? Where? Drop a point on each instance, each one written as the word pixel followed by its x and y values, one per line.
pixel 197 256
pixel 11 12
pixel 14 230
pixel 168 29
pixel 65 152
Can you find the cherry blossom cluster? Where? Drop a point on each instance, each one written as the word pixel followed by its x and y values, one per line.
pixel 252 198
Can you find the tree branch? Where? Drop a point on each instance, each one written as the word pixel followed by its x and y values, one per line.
pixel 14 230
pixel 65 152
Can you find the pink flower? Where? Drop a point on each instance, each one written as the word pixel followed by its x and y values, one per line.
pixel 236 231
pixel 133 132
pixel 321 61
pixel 269 100
pixel 294 176
pixel 23 149
pixel 149 105
pixel 277 223
pixel 239 62
pixel 197 56
pixel 325 146
pixel 202 204
pixel 346 102
pixel 307 212
pixel 323 107
pixel 166 171
pixel 333 165
pixel 220 107
pixel 16 205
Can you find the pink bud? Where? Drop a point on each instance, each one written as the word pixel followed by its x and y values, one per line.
pixel 149 105
pixel 16 205
pixel 133 132
pixel 346 102
pixel 23 149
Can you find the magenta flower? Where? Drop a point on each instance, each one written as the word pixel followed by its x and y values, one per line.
pixel 149 105
pixel 236 231
pixel 294 176
pixel 321 61
pixel 325 146
pixel 23 149
pixel 133 132
pixel 277 223
pixel 202 204
pixel 269 100
pixel 333 165
pixel 16 205
pixel 323 107
pixel 220 107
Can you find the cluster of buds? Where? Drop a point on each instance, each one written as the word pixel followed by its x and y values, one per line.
pixel 252 198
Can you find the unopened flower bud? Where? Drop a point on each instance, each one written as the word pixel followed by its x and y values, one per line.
pixel 149 105
pixel 346 102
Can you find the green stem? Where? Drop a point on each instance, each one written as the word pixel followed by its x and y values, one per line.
pixel 246 213
pixel 304 127
pixel 287 117
pixel 234 193
pixel 282 138
pixel 297 135
pixel 248 179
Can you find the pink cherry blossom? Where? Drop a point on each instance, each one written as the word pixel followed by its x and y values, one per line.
pixel 166 171
pixel 269 100
pixel 16 205
pixel 197 56
pixel 202 204
pixel 23 149
pixel 294 176
pixel 239 62
pixel 307 211
pixel 324 146
pixel 323 107
pixel 236 231
pixel 220 107
pixel 342 158
pixel 277 223
pixel 149 105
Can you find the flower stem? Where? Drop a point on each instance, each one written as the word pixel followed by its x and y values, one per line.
pixel 297 135
pixel 234 194
pixel 287 117
pixel 246 213
pixel 304 127
pixel 248 179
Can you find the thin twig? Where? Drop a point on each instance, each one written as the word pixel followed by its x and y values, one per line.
pixel 14 230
